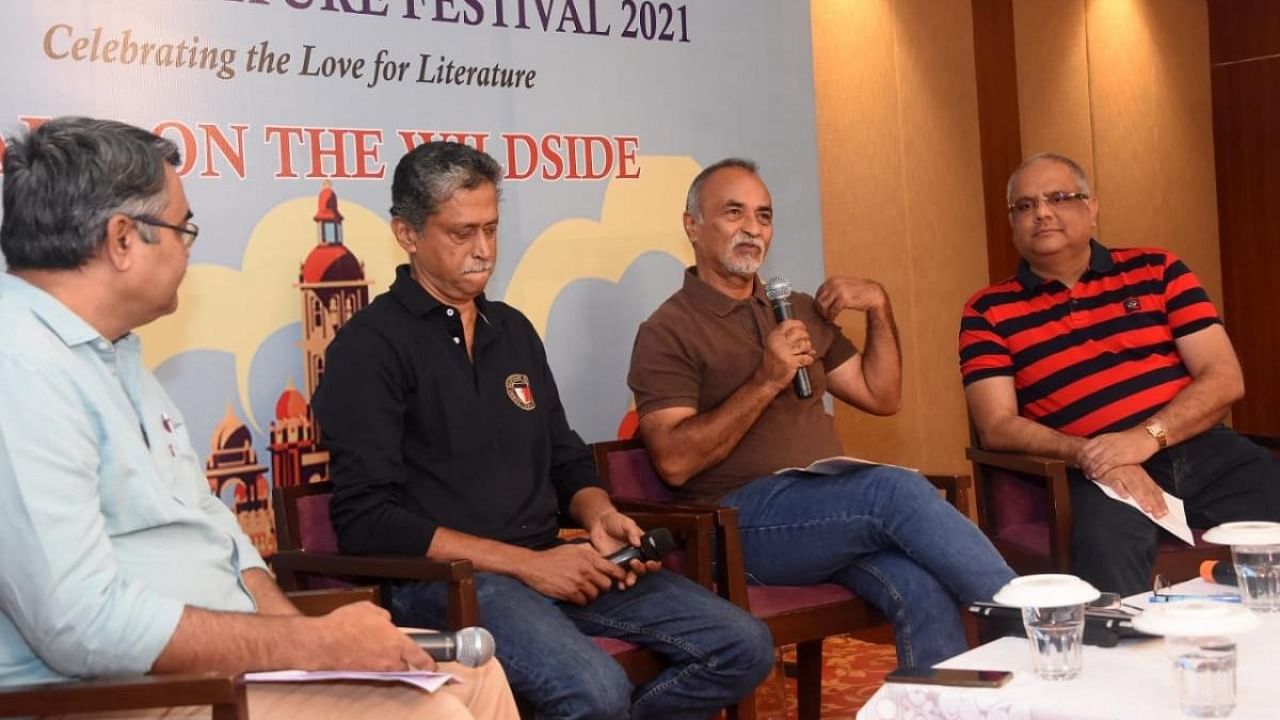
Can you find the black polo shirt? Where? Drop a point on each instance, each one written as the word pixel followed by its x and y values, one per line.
pixel 420 436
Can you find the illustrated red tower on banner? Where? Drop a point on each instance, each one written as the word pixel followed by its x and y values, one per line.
pixel 333 289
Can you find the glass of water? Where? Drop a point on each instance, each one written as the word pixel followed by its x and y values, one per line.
pixel 1056 635
pixel 1204 671
pixel 1258 573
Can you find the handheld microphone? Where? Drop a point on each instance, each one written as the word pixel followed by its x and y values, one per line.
pixel 779 292
pixel 1216 571
pixel 654 545
pixel 470 646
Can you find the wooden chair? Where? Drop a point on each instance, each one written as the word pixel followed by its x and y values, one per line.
pixel 799 615
pixel 225 693
pixel 1024 507
pixel 308 557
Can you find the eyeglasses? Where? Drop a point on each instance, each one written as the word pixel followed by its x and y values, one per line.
pixel 1055 200
pixel 1161 593
pixel 189 231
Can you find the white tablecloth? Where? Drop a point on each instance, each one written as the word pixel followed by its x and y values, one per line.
pixel 1132 680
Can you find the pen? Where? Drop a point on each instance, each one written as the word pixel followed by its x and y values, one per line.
pixel 1176 597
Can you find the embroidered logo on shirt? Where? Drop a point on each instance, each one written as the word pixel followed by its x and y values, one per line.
pixel 1131 305
pixel 519 391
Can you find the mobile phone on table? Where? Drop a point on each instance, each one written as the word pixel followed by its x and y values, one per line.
pixel 948 676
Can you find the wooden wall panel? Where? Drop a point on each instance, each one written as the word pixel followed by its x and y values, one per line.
pixel 1153 130
pixel 996 66
pixel 1246 117
pixel 1243 30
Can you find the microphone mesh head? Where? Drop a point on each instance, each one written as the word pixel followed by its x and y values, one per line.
pixel 777 288
pixel 475 646
pixel 656 544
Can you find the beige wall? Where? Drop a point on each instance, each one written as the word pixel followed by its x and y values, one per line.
pixel 1122 85
pixel 901 200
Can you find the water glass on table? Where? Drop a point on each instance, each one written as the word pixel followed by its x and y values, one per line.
pixel 1258 572
pixel 1255 553
pixel 1053 615
pixel 1200 642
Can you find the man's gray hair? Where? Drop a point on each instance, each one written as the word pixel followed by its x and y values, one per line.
pixel 693 201
pixel 432 172
pixel 64 180
pixel 1077 172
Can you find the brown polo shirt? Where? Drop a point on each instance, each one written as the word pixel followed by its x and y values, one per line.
pixel 700 346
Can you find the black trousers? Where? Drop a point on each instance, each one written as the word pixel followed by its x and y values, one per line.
pixel 1220 476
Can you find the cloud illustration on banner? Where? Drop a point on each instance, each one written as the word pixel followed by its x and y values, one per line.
pixel 636 217
pixel 235 311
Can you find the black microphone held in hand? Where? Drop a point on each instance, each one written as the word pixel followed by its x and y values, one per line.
pixel 654 545
pixel 470 646
pixel 779 292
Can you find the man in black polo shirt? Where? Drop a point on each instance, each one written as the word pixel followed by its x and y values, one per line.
pixel 448 439
pixel 1113 360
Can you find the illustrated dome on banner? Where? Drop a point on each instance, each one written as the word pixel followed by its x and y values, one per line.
pixel 291 404
pixel 231 434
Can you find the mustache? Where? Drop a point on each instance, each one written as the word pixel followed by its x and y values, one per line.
pixel 482 268
pixel 742 238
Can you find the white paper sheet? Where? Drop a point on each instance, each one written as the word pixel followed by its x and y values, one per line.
pixel 425 679
pixel 839 464
pixel 1175 521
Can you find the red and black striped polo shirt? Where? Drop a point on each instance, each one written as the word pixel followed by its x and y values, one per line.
pixel 1093 358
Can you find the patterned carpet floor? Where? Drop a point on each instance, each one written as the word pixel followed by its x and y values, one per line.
pixel 852 670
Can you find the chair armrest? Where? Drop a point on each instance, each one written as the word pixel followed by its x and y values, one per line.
pixel 463 609
pixel 1271 442
pixel 382 567
pixel 1028 464
pixel 226 693
pixel 953 487
pixel 323 602
pixel 1050 473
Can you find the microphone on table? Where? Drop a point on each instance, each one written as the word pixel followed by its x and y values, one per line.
pixel 1216 571
pixel 779 292
pixel 654 545
pixel 470 646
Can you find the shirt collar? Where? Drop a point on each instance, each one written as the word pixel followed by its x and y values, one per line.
pixel 1099 262
pixel 68 326
pixel 421 303
pixel 717 302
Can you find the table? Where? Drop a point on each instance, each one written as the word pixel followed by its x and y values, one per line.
pixel 1132 680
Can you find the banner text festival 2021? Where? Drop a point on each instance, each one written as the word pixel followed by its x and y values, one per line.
pixel 633 19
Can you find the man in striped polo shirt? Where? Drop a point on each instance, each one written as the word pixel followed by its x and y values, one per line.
pixel 1115 361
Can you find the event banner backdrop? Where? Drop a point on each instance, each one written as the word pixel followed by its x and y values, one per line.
pixel 291 116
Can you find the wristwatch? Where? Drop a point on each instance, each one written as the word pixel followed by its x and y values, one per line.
pixel 1155 429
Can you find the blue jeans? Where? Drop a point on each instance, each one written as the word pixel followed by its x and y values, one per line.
pixel 882 532
pixel 716 653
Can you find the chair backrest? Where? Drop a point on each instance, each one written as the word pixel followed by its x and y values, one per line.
pixel 627 471
pixel 302 518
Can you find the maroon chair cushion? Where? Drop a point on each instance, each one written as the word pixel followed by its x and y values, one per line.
pixel 1033 536
pixel 772 600
pixel 314 529
pixel 1016 501
pixel 633 477
pixel 611 645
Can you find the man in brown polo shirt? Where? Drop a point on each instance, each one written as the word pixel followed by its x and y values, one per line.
pixel 712 372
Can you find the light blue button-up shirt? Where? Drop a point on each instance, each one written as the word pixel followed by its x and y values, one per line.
pixel 107 525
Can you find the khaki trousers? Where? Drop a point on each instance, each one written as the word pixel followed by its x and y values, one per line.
pixel 483 694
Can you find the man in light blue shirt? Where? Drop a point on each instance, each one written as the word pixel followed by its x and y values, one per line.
pixel 115 559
